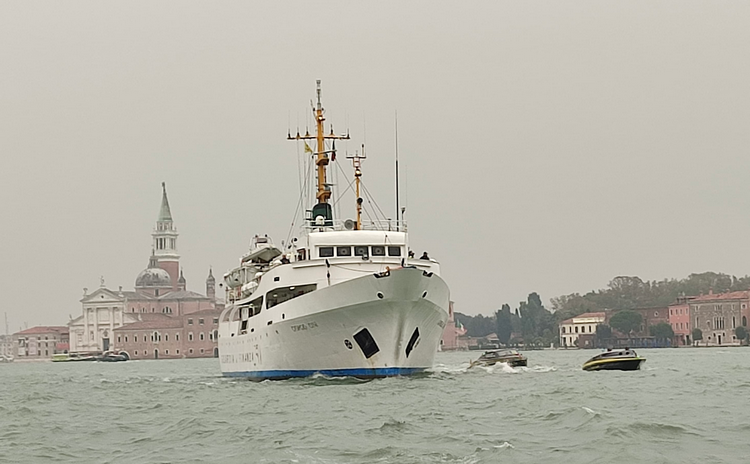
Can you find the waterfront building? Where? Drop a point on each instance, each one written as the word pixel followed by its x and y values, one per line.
pixel 641 336
pixel 40 342
pixel 7 349
pixel 717 315
pixel 574 328
pixel 679 319
pixel 160 317
pixel 452 333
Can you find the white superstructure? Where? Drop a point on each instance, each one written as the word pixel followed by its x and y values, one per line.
pixel 345 300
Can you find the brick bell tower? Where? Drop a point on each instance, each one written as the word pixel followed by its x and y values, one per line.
pixel 165 241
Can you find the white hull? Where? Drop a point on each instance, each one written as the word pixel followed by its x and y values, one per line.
pixel 404 311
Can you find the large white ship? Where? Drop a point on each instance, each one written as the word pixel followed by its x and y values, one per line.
pixel 344 299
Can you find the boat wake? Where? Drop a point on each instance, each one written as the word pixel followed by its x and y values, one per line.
pixel 500 368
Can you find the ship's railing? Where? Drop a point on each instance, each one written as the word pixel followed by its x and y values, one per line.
pixel 349 224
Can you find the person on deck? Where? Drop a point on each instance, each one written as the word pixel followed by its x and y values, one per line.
pixel 424 256
pixel 284 260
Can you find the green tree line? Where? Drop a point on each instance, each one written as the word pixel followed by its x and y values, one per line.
pixel 539 325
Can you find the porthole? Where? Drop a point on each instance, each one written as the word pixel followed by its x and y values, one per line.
pixel 380 295
pixel 424 295
pixel 348 344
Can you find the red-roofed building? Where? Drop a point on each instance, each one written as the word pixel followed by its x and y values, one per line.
pixel 40 342
pixel 579 331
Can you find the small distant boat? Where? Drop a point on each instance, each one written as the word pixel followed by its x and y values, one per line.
pixel 107 356
pixel 615 360
pixel 510 357
pixel 72 357
pixel 110 356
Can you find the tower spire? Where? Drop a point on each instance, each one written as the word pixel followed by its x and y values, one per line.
pixel 165 240
pixel 165 215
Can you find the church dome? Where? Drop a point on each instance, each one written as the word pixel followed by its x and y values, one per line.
pixel 153 277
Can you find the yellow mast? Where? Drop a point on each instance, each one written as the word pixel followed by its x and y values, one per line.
pixel 357 164
pixel 321 154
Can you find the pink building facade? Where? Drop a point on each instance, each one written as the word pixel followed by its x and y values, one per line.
pixel 679 319
pixel 452 333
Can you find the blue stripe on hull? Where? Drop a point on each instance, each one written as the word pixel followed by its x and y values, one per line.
pixel 360 373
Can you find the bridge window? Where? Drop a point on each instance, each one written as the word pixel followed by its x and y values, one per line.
pixel 343 251
pixel 282 294
pixel 378 251
pixel 393 251
pixel 325 252
pixel 360 251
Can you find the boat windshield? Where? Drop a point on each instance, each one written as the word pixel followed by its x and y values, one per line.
pixel 616 354
pixel 499 354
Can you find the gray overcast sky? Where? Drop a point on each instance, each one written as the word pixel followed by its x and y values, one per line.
pixel 549 146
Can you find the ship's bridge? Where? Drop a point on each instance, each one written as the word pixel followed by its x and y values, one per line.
pixel 362 243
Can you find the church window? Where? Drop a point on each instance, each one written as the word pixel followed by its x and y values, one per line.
pixel 178 351
pixel 190 337
pixel 200 321
pixel 135 339
pixel 177 337
pixel 202 351
pixel 216 320
pixel 190 322
pixel 136 352
pixel 201 336
pixel 166 351
pixel 191 351
pixel 126 338
pixel 119 339
pixel 166 337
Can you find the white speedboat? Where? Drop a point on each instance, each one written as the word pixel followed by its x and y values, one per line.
pixel 345 300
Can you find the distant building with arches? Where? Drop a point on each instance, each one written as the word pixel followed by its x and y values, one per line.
pixel 160 318
pixel 717 315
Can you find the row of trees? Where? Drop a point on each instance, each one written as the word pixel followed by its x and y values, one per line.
pixel 627 292
pixel 536 324
pixel 539 325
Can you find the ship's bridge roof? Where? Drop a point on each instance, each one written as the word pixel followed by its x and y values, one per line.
pixel 357 237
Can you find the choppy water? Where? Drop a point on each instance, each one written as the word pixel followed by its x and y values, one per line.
pixel 685 406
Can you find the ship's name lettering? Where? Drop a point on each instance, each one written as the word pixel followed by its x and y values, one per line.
pixel 301 327
pixel 238 358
